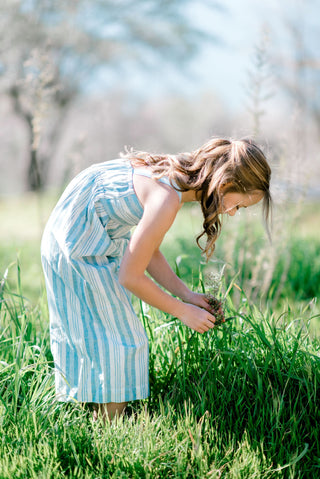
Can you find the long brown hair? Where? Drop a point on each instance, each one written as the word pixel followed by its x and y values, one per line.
pixel 236 165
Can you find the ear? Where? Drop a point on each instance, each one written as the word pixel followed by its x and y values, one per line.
pixel 225 187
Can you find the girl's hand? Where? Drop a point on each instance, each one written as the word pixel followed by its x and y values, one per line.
pixel 197 318
pixel 198 299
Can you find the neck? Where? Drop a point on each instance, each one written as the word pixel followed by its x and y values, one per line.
pixel 188 196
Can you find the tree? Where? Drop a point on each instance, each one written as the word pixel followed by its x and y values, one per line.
pixel 52 49
pixel 298 67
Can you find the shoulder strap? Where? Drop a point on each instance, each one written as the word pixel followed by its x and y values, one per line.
pixel 163 179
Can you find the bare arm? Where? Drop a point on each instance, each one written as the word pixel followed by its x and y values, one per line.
pixel 160 209
pixel 161 271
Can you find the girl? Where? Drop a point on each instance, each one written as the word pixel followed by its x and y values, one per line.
pixel 92 265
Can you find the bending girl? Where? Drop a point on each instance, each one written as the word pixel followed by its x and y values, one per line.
pixel 92 265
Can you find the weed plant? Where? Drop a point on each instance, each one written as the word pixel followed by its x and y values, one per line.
pixel 240 401
pixel 295 274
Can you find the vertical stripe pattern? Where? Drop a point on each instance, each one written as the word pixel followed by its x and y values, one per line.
pixel 99 346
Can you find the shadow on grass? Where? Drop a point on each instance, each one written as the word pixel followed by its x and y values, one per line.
pixel 248 378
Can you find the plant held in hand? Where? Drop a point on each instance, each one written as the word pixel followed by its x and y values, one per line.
pixel 217 309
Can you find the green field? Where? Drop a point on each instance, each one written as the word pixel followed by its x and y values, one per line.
pixel 241 401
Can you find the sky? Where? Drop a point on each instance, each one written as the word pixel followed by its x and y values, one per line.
pixel 223 67
pixel 241 26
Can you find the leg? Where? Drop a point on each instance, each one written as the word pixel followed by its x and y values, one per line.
pixel 108 410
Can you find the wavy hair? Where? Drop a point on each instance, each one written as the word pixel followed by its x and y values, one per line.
pixel 238 166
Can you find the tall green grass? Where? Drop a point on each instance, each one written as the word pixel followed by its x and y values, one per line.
pixel 240 401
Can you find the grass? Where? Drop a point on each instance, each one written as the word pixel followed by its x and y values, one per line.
pixel 237 402
pixel 240 401
pixel 22 220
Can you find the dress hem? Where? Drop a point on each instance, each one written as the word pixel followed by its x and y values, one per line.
pixel 125 399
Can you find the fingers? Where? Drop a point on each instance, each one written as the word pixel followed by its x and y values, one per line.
pixel 204 328
pixel 206 324
pixel 208 307
pixel 198 319
pixel 200 300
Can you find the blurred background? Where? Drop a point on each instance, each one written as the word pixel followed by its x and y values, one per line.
pixel 82 79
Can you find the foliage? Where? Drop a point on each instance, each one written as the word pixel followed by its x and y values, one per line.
pixel 238 401
pixel 295 271
pixel 303 273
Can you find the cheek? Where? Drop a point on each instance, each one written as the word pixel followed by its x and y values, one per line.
pixel 223 207
pixel 227 206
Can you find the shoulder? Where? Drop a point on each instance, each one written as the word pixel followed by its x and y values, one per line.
pixel 160 207
pixel 162 203
pixel 155 194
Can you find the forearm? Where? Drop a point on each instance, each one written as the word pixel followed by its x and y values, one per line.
pixel 195 316
pixel 161 272
pixel 149 292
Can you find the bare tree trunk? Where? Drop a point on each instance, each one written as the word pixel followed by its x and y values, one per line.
pixel 38 165
pixel 34 177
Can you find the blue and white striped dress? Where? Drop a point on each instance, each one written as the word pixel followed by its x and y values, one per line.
pixel 100 347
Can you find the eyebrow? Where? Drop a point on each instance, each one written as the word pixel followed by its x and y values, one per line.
pixel 240 205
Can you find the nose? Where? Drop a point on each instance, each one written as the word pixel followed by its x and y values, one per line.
pixel 232 211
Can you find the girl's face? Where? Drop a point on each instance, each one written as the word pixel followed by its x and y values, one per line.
pixel 231 202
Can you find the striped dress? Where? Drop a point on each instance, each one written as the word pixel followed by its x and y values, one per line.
pixel 100 347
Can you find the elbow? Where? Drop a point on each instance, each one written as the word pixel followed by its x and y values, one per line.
pixel 126 284
pixel 126 280
pixel 123 279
